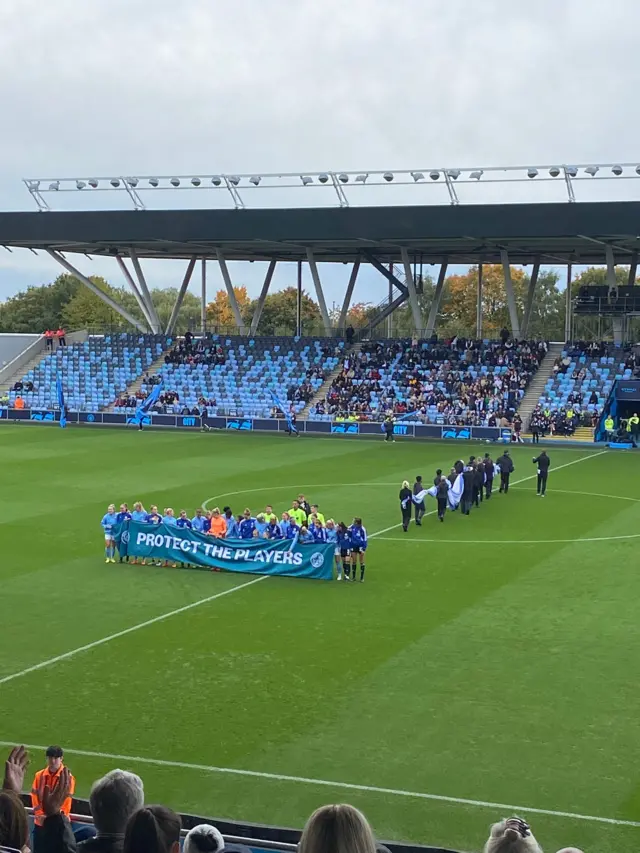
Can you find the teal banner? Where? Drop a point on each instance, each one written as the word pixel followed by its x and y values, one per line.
pixel 256 556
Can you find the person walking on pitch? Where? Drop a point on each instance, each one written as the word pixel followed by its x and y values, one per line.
pixel 406 502
pixel 388 425
pixel 442 488
pixel 506 470
pixel 489 470
pixel 543 462
pixel 418 490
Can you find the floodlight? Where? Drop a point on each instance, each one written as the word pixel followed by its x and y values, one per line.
pixel 591 170
pixel 532 173
pixel 306 180
pixel 343 178
pixel 115 183
pixel 175 182
pixel 477 174
pixel 80 185
pixel 133 182
pixel 234 180
pixel 417 176
pixel 571 171
pixel 216 180
pixel 388 176
pixel 196 182
pixel 323 178
pixel 54 185
pixel 617 170
pixel 154 182
pixel 361 179
pixel 454 173
pixel 93 183
pixel 554 171
pixel 255 180
pixel 637 170
pixel 33 185
pixel 434 175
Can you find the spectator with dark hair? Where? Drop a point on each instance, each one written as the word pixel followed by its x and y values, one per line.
pixel 153 829
pixel 49 779
pixel 113 799
pixel 14 827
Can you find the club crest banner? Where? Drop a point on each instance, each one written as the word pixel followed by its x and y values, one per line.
pixel 255 556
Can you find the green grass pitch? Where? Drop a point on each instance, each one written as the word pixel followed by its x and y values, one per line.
pixel 492 658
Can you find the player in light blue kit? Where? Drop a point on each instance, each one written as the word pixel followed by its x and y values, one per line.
pixel 108 523
pixel 332 539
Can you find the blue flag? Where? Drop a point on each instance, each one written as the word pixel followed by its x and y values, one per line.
pixel 285 411
pixel 63 410
pixel 147 404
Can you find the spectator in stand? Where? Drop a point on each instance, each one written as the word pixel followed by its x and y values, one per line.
pixel 337 829
pixel 14 827
pixel 511 836
pixel 61 336
pixel 18 403
pixel 48 336
pixel 205 838
pixel 153 829
pixel 113 799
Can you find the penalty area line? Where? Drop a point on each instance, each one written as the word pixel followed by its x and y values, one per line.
pixel 132 760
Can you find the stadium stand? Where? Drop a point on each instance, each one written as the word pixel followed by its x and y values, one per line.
pixel 12 345
pixel 458 381
pixel 234 376
pixel 93 373
pixel 581 381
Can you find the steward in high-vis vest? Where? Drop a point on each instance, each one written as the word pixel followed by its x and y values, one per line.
pixel 49 778
pixel 609 426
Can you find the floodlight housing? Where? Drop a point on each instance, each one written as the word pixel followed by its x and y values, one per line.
pixel 434 175
pixel 592 170
pixel 343 178
pixel 554 171
pixel 617 170
pixel 93 183
pixel 306 180
pixel 115 183
pixel 572 171
pixel 361 179
pixel 216 180
pixel 532 173
pixel 175 182
pixel 388 176
pixel 323 178
pixel 234 180
pixel 80 185
pixel 476 174
pixel 154 182
pixel 255 180
pixel 54 185
pixel 196 182
pixel 454 173
pixel 133 182
pixel 417 176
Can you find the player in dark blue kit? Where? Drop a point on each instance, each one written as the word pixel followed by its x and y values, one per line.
pixel 123 515
pixel 344 547
pixel 247 525
pixel 358 537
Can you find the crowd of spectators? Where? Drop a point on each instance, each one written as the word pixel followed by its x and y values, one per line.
pixel 457 381
pixel 564 420
pixel 122 823
pixel 192 350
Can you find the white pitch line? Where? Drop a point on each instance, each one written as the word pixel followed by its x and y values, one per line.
pixel 422 541
pixel 138 627
pixel 327 783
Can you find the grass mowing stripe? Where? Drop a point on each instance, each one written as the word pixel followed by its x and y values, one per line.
pixel 327 783
pixel 138 627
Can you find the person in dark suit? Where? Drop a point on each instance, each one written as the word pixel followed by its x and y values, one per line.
pixel 406 502
pixel 478 483
pixel 441 496
pixel 543 462
pixel 489 471
pixel 468 478
pixel 420 507
pixel 506 470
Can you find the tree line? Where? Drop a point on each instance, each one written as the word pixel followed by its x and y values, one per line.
pixel 68 303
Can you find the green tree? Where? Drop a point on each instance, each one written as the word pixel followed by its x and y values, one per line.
pixel 38 308
pixel 86 310
pixel 597 277
pixel 279 313
pixel 189 315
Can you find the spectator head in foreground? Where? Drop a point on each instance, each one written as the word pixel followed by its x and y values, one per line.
pixel 337 829
pixel 569 850
pixel 203 839
pixel 153 829
pixel 14 829
pixel 113 799
pixel 511 836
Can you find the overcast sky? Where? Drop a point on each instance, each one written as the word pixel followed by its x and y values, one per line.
pixel 200 86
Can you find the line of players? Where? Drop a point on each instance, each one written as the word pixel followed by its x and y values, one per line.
pixel 303 524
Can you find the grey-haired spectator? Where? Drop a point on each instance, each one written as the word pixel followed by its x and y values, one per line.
pixel 113 799
pixel 511 836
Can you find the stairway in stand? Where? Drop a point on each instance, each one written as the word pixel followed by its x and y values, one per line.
pixel 321 393
pixel 135 386
pixel 536 386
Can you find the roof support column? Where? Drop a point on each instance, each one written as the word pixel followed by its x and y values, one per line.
pixel 611 270
pixel 347 297
pixel 155 325
pixel 633 269
pixel 180 297
pixel 96 290
pixel 261 299
pixel 138 296
pixel 511 300
pixel 437 299
pixel 533 283
pixel 411 287
pixel 315 275
pixel 479 305
pixel 203 298
pixel 231 293
pixel 567 313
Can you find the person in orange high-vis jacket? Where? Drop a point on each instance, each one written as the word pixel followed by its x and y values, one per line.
pixel 218 525
pixel 48 778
